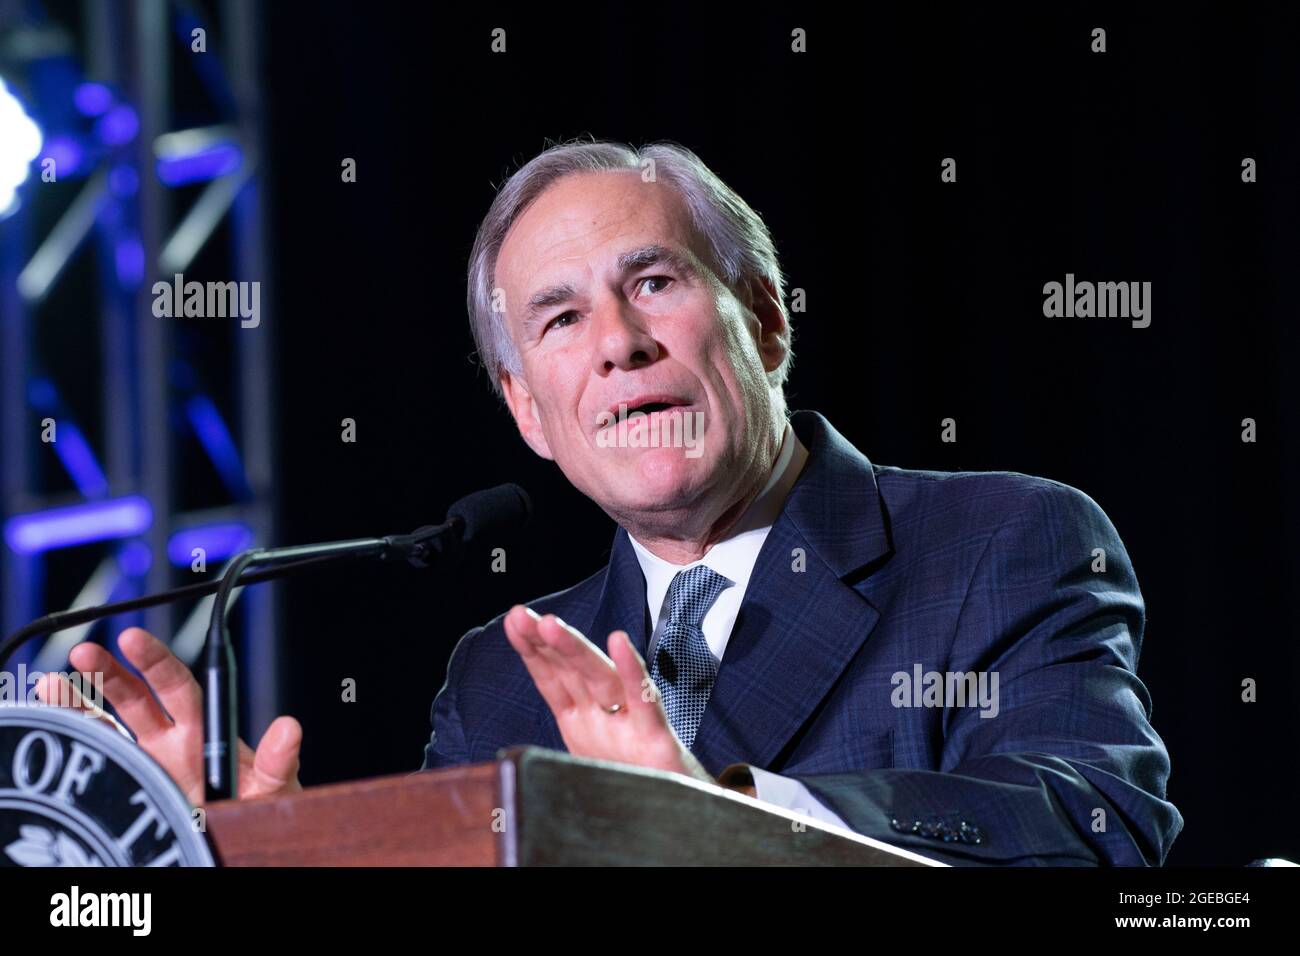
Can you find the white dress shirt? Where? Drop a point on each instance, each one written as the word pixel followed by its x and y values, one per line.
pixel 734 557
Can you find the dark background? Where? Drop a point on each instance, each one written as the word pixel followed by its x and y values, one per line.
pixel 924 301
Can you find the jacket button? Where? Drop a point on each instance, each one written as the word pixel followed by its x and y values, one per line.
pixel 938 828
pixel 905 826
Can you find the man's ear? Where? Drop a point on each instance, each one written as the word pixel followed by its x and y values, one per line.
pixel 763 301
pixel 524 410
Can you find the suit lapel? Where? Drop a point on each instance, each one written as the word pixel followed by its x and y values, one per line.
pixel 622 601
pixel 798 629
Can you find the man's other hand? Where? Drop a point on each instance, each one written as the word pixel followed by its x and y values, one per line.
pixel 164 711
pixel 581 685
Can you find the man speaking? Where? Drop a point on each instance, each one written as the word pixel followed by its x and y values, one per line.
pixel 933 660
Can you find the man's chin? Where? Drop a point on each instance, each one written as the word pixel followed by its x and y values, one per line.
pixel 653 479
pixel 670 468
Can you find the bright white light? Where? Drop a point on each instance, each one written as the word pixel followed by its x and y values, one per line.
pixel 20 143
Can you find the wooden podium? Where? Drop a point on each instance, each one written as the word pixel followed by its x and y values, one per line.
pixel 532 807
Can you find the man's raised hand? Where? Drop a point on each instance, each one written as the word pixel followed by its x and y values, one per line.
pixel 581 685
pixel 168 722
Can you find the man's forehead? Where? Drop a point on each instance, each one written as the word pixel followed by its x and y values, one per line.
pixel 607 213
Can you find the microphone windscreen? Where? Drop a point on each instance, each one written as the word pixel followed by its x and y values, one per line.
pixel 502 510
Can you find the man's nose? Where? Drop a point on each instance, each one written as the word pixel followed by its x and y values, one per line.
pixel 622 339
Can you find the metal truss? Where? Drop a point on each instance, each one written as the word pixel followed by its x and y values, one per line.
pixel 132 169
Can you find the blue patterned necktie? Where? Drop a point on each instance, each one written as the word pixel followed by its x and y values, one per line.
pixel 683 668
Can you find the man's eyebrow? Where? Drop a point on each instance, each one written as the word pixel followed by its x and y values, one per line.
pixel 655 255
pixel 632 261
pixel 554 295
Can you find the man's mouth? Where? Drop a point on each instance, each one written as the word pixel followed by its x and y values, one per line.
pixel 646 405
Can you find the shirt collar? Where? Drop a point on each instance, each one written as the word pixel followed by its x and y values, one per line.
pixel 735 555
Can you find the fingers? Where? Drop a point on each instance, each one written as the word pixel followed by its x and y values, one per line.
pixel 521 632
pixel 586 671
pixel 165 673
pixel 639 689
pixel 129 695
pixel 568 669
pixel 274 767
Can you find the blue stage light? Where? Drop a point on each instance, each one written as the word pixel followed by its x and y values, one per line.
pixel 78 524
pixel 70 444
pixel 66 153
pixel 218 541
pixel 134 558
pixel 214 161
pixel 43 395
pixel 74 451
pixel 92 99
pixel 20 143
pixel 123 180
pixel 212 433
pixel 119 125
pixel 129 254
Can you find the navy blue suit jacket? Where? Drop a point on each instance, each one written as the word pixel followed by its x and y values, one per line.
pixel 868 572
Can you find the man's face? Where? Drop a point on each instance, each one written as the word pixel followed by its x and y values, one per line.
pixel 611 299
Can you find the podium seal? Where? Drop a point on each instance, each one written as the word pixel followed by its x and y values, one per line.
pixel 75 792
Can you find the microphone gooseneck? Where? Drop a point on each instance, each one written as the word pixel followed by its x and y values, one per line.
pixel 501 510
pixel 498 511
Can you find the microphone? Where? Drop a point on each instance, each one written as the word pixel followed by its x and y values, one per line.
pixel 495 511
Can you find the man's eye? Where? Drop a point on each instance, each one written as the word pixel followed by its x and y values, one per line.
pixel 663 279
pixel 559 320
